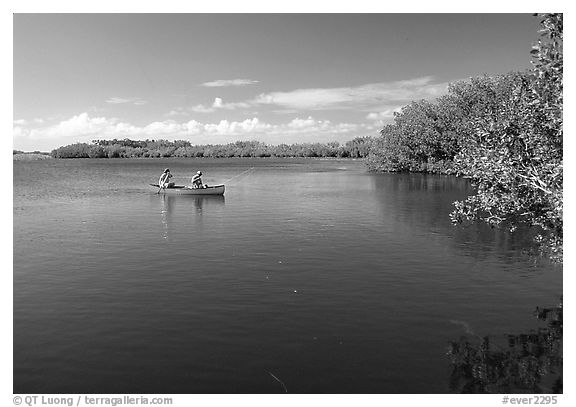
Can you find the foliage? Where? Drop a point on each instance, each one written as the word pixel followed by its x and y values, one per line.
pixel 29 152
pixel 19 155
pixel 532 363
pixel 424 137
pixel 77 150
pixel 504 133
pixel 514 157
pixel 427 136
pixel 357 148
pixel 126 148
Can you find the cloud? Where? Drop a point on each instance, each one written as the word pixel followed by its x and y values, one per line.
pixel 218 104
pixel 197 109
pixel 387 114
pixel 379 99
pixel 306 123
pixel 80 126
pixel 83 128
pixel 132 101
pixel 229 82
pixel 364 97
pixel 248 126
pixel 24 122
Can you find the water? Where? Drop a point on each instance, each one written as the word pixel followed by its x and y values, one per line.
pixel 309 274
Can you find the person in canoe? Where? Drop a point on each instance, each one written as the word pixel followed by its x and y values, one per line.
pixel 164 181
pixel 197 181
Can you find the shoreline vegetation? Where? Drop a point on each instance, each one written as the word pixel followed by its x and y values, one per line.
pixel 30 156
pixel 126 148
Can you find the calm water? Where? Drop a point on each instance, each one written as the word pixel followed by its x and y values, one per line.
pixel 316 272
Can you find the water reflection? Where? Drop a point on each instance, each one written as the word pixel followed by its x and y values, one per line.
pixel 166 213
pixel 185 204
pixel 523 363
pixel 205 202
pixel 419 199
pixel 424 202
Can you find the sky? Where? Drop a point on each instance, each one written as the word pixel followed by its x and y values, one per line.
pixel 220 78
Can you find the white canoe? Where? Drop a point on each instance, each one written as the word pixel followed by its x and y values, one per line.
pixel 184 190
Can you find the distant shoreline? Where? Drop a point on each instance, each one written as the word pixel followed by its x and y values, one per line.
pixel 32 156
pixel 47 156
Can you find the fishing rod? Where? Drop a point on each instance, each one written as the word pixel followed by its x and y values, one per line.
pixel 236 176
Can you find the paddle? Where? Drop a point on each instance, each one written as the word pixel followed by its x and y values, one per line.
pixel 159 189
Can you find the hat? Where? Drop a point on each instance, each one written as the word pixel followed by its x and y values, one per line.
pixel 199 172
pixel 167 170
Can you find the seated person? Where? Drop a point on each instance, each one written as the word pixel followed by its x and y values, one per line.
pixel 164 181
pixel 197 181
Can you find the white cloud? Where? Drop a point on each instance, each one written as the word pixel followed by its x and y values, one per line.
pixel 246 127
pixel 193 127
pixel 24 122
pixel 80 128
pixel 197 109
pixel 133 101
pixel 218 104
pixel 387 114
pixel 80 125
pixel 229 82
pixel 307 123
pixel 83 128
pixel 19 132
pixel 379 99
pixel 364 97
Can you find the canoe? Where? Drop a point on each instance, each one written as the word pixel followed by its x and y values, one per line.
pixel 184 190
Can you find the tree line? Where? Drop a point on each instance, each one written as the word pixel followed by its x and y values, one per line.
pixel 504 133
pixel 126 148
